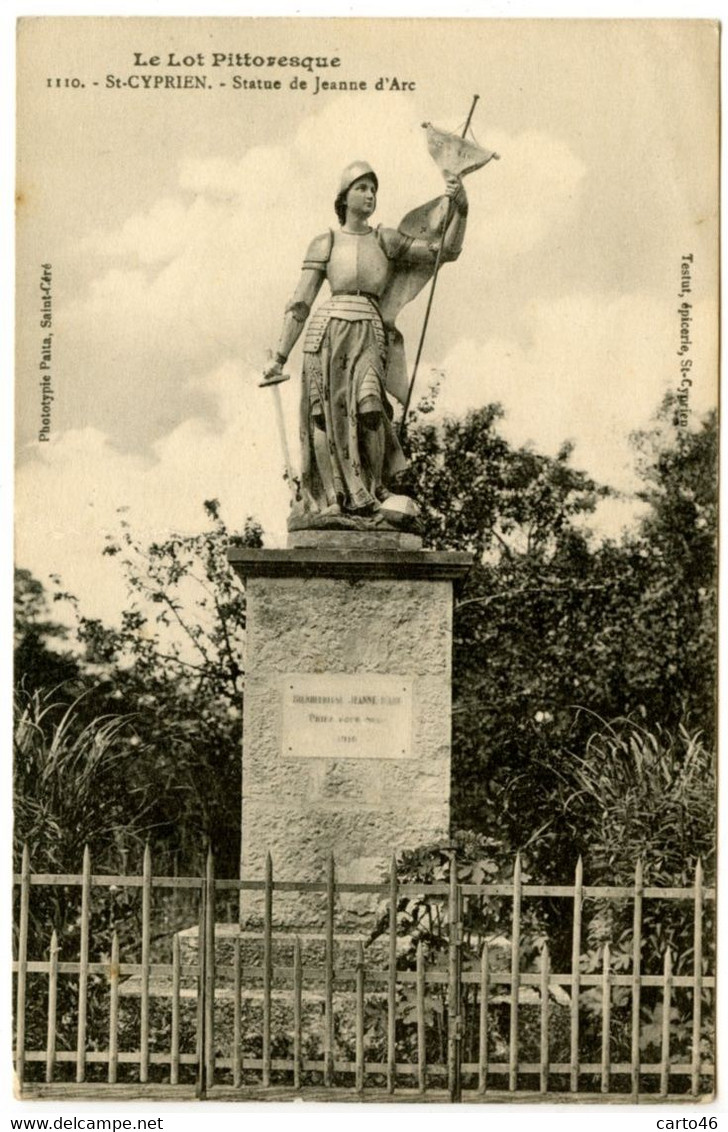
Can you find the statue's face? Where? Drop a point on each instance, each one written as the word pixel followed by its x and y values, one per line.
pixel 362 196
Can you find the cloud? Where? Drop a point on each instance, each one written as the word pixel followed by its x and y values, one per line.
pixel 532 194
pixel 591 369
pixel 209 271
pixel 68 495
pixel 152 237
pixel 160 408
pixel 202 275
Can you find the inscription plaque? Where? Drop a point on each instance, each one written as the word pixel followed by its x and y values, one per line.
pixel 332 716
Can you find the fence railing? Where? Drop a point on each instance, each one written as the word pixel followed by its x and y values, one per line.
pixel 115 997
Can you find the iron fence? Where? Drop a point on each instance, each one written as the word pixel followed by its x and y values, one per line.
pixel 261 1009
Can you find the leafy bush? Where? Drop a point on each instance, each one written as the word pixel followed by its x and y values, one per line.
pixel 642 794
pixel 74 784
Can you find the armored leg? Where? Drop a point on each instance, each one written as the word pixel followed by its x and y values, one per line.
pixel 372 440
pixel 323 459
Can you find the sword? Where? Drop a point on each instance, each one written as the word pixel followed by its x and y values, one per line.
pixel 274 381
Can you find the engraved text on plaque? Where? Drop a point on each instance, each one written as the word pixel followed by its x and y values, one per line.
pixel 363 716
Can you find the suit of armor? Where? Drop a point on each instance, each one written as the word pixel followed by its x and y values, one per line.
pixel 350 453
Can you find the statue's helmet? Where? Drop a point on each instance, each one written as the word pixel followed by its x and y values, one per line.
pixel 353 172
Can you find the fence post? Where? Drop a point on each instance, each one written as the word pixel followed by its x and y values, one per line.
pixel 360 1062
pixel 666 1008
pixel 52 1007
pixel 483 1042
pixel 201 985
pixel 421 1050
pixel 176 983
pixel 83 967
pixel 297 1013
pixel 22 964
pixel 515 977
pixel 575 976
pixel 114 1009
pixel 606 1017
pixel 392 978
pixel 267 967
pixel 453 1005
pixel 237 1020
pixel 697 979
pixel 329 974
pixel 209 1046
pixel 146 961
pixel 636 978
pixel 545 1014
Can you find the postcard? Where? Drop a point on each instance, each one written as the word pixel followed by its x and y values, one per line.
pixel 366 614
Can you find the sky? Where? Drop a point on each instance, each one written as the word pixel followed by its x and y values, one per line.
pixel 175 222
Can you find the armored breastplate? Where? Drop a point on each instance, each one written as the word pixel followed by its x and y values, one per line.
pixel 357 270
pixel 357 263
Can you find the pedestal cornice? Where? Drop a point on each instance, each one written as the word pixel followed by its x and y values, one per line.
pixel 324 562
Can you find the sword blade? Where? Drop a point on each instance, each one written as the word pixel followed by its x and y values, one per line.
pixel 284 439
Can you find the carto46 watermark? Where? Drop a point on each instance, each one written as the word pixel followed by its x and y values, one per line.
pixel 671 1124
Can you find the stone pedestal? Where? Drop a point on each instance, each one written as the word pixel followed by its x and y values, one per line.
pixel 346 744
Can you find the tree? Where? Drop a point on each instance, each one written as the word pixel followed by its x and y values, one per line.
pixel 676 630
pixel 173 667
pixel 552 629
pixel 479 494
pixel 39 662
pixel 520 619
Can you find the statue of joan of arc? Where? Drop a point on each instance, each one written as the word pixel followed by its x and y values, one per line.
pixel 353 356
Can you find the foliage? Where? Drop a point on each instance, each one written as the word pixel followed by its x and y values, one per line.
pixel 648 796
pixel 196 629
pixel 553 627
pixel 549 627
pixel 641 795
pixel 174 665
pixel 552 630
pixel 479 494
pixel 638 795
pixel 41 657
pixel 426 917
pixel 73 789
pixel 424 924
pixel 72 785
pixel 676 627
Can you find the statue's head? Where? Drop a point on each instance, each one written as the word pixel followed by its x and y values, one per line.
pixel 357 171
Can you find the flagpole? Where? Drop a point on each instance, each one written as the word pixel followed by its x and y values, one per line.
pixel 445 226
